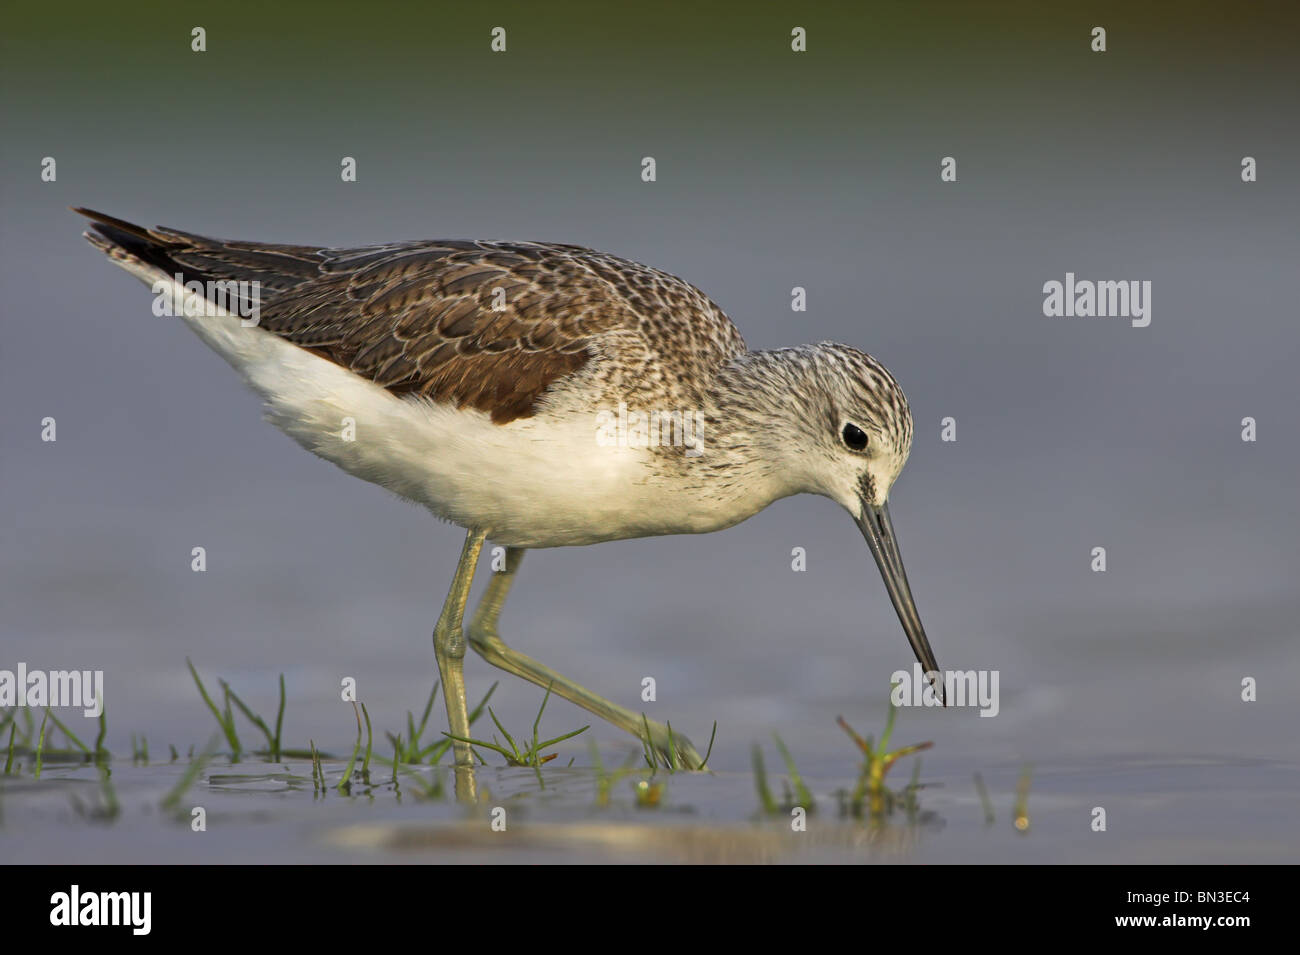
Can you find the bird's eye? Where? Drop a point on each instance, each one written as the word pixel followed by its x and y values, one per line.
pixel 854 437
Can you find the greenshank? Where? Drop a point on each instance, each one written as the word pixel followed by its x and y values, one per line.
pixel 537 395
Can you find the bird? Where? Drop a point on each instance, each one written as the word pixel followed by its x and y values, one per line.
pixel 537 395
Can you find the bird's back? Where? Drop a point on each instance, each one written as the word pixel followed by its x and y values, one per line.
pixel 480 324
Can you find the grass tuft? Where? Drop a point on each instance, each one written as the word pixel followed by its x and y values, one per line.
pixel 531 755
pixel 870 792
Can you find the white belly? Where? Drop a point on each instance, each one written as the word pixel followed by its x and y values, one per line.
pixel 542 481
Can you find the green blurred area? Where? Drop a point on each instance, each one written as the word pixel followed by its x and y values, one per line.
pixel 319 63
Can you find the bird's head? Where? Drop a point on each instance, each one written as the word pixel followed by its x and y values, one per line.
pixel 862 427
pixel 856 436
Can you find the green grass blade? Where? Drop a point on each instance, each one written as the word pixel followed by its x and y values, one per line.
pixel 538 722
pixel 889 728
pixel 802 794
pixel 365 763
pixel 71 736
pixel 347 774
pixel 279 722
pixel 560 739
pixel 100 752
pixel 509 739
pixel 709 751
pixel 765 800
pixel 317 771
pixel 227 727
pixel 40 744
pixel 439 749
pixel 249 715
pixel 9 760
pixel 111 806
pixel 651 756
pixel 512 758
pixel 428 709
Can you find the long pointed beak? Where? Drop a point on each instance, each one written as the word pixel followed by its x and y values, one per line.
pixel 878 529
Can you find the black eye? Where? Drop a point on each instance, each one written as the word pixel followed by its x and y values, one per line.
pixel 855 437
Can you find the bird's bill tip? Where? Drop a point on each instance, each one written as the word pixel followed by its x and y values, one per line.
pixel 878 529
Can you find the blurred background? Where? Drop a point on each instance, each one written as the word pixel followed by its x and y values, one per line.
pixel 774 170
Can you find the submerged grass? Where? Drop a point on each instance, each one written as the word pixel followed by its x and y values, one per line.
pixel 171 802
pixel 796 795
pixel 606 781
pixel 40 745
pixel 108 808
pixel 1020 814
pixel 986 804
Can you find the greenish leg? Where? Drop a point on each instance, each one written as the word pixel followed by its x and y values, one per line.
pixel 449 649
pixel 485 640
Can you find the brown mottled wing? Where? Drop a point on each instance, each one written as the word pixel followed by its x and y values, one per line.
pixel 488 325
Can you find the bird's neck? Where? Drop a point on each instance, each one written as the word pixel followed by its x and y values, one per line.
pixel 759 413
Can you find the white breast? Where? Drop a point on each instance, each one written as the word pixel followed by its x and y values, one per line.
pixel 542 481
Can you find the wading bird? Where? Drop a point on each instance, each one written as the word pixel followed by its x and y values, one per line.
pixel 474 373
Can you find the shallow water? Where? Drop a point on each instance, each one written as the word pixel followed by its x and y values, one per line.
pixel 1159 810
pixel 1152 729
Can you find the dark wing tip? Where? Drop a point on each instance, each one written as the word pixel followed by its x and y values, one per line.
pixel 124 240
pixel 103 219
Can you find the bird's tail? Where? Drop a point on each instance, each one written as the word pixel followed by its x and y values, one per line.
pixel 156 252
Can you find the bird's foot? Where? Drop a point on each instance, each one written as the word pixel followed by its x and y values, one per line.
pixel 671 749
